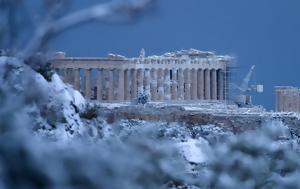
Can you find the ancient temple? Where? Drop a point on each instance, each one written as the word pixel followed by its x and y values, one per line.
pixel 185 75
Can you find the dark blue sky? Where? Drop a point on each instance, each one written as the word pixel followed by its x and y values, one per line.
pixel 261 32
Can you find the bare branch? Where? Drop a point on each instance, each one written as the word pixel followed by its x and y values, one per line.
pixel 100 12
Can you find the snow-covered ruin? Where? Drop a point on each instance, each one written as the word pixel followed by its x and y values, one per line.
pixel 287 99
pixel 177 76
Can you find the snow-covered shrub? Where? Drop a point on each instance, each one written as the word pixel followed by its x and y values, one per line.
pixel 44 143
pixel 257 159
pixel 212 133
pixel 157 130
pixel 51 105
pixel 90 111
pixel 31 104
pixel 33 162
pixel 143 98
pixel 41 64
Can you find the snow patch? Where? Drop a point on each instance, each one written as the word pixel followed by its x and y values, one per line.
pixel 113 105
pixel 194 150
pixel 79 100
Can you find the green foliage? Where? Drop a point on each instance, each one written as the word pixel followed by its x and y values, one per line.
pixel 90 112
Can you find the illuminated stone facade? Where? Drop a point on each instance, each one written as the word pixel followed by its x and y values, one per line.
pixel 186 75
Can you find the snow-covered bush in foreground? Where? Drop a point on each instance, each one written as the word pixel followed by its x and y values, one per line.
pixel 51 105
pixel 31 161
pixel 129 154
pixel 257 159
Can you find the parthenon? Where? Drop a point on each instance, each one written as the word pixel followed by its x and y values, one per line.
pixel 185 75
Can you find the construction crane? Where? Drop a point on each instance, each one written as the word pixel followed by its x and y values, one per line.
pixel 245 83
pixel 243 98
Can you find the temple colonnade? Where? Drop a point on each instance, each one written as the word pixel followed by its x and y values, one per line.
pixel 162 84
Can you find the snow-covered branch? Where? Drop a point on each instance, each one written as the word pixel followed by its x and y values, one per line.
pixel 101 12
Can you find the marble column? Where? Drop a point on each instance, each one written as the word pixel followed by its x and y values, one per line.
pixel 278 100
pixel 147 83
pixel 65 79
pixel 200 84
pixel 153 84
pixel 295 96
pixel 134 84
pixel 140 81
pixel 291 102
pixel 99 84
pixel 121 85
pixel 72 76
pixel 180 83
pixel 174 84
pixel 295 101
pixel 160 86
pixel 77 79
pixel 284 101
pixel 127 85
pixel 88 87
pixel 194 84
pixel 110 85
pixel 64 75
pixel 213 84
pixel 207 84
pixel 68 76
pixel 220 85
pixel 279 107
pixel 298 102
pixel 187 84
pixel 167 84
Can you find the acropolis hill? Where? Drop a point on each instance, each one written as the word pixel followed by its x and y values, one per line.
pixel 187 86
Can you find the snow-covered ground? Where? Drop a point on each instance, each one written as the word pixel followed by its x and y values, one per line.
pixel 213 108
pixel 113 105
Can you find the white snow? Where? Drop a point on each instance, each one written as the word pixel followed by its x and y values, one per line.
pixel 194 150
pixel 61 98
pixel 79 100
pixel 216 107
pixel 113 105
pixel 65 93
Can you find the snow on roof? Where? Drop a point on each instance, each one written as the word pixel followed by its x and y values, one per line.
pixel 193 54
pixel 115 56
pixel 189 52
